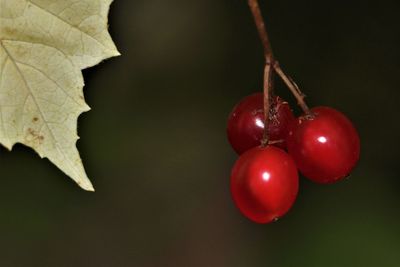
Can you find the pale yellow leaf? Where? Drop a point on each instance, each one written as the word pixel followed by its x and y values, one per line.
pixel 44 45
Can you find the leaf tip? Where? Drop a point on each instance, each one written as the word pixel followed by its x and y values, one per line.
pixel 87 186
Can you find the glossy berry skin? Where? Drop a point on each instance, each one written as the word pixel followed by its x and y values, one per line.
pixel 264 183
pixel 246 122
pixel 325 147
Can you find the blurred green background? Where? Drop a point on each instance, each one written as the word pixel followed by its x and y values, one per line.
pixel 155 148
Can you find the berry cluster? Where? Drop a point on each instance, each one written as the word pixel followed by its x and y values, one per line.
pixel 273 144
pixel 322 144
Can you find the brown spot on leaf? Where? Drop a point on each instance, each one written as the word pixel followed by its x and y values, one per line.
pixel 31 132
pixel 35 119
pixel 35 137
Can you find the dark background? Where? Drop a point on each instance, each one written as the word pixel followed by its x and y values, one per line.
pixel 154 144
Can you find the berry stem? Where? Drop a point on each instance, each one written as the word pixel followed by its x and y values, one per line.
pixel 293 88
pixel 270 61
pixel 268 84
pixel 262 31
pixel 268 68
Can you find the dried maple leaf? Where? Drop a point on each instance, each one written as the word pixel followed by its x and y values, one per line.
pixel 44 45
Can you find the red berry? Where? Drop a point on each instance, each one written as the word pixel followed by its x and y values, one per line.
pixel 246 122
pixel 325 147
pixel 264 183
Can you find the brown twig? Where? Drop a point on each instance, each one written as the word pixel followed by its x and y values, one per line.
pixel 268 84
pixel 268 68
pixel 273 64
pixel 262 31
pixel 292 87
